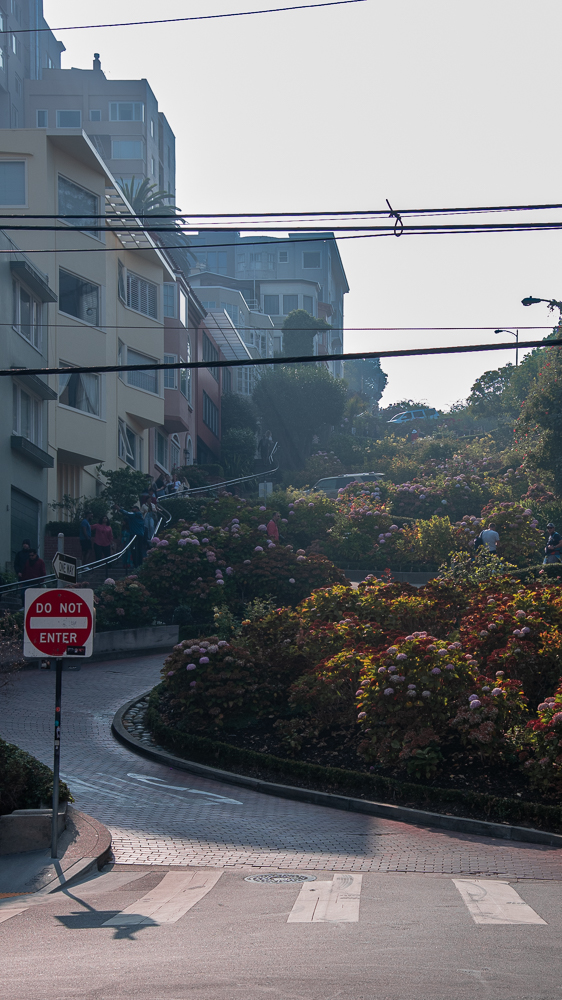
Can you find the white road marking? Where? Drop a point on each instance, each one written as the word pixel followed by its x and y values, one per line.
pixel 328 902
pixel 107 882
pixel 6 913
pixel 174 896
pixel 160 783
pixel 491 902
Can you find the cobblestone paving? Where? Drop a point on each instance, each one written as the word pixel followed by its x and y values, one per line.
pixel 160 816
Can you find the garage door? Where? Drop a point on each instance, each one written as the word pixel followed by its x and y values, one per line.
pixel 24 521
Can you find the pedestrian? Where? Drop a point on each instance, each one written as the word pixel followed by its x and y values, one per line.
pixel 33 572
pixel 85 533
pixel 272 527
pixel 103 538
pixel 490 538
pixel 553 548
pixel 135 525
pixel 21 558
pixel 149 517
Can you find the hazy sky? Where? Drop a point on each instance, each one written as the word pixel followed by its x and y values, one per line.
pixel 434 104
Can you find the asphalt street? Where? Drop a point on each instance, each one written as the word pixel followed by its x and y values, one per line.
pixel 386 910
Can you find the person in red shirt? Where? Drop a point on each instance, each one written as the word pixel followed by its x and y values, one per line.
pixel 34 567
pixel 272 529
pixel 103 538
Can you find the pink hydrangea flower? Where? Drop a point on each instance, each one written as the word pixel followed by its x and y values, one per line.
pixel 109 582
pixel 476 703
pixel 191 666
pixel 291 580
pixel 388 691
pixel 436 671
pixel 362 715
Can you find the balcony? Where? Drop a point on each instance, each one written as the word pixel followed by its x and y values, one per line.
pixel 31 451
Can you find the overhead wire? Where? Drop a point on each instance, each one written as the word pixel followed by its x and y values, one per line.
pixel 267 362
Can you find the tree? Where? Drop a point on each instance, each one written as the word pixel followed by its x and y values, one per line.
pixel 146 199
pixel 367 377
pixel 295 403
pixel 124 486
pixel 299 331
pixel 540 419
pixel 238 447
pixel 237 413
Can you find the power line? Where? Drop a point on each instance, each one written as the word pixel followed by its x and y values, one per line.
pixel 266 362
pixel 298 329
pixel 178 20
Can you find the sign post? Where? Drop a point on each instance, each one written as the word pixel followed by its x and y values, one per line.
pixel 58 623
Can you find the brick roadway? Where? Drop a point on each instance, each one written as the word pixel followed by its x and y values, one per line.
pixel 160 816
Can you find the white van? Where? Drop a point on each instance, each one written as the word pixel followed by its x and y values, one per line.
pixel 408 415
pixel 332 485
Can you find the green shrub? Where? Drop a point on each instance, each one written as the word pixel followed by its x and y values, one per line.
pixel 124 604
pixel 25 783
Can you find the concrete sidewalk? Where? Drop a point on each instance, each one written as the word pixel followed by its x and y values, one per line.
pixel 83 846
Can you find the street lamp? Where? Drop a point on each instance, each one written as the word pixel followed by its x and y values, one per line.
pixel 551 303
pixel 516 335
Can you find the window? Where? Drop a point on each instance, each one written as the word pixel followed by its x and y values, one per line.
pixel 126 111
pixel 95 115
pixel 310 259
pixel 210 353
pixel 188 451
pixel 42 118
pixel 244 378
pixel 169 299
pixel 170 378
pixel 17 84
pixel 27 314
pixel 185 375
pixel 141 380
pixel 69 119
pixel 241 261
pixel 152 170
pixel 209 304
pixel 174 452
pixel 142 295
pixel 226 380
pixel 129 445
pixel 308 304
pixel 2 64
pixel 75 200
pixel 161 450
pixel 271 305
pixel 78 297
pixel 14 44
pixel 216 261
pixel 283 256
pixel 290 302
pixel 15 117
pixel 210 414
pixel 27 414
pixel 121 288
pixel 152 128
pixel 183 307
pixel 127 149
pixel 2 21
pixel 80 391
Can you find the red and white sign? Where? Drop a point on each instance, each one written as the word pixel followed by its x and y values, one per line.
pixel 58 622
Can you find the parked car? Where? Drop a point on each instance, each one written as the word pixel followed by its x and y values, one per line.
pixel 402 418
pixel 333 484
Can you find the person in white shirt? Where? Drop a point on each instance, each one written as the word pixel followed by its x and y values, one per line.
pixel 490 537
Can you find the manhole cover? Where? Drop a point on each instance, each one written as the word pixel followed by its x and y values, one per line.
pixel 277 877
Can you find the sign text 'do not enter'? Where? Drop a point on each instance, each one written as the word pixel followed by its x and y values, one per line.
pixel 58 622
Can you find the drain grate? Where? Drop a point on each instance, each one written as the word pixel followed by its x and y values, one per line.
pixel 280 877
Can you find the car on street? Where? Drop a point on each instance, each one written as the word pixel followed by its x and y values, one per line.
pixel 429 413
pixel 333 484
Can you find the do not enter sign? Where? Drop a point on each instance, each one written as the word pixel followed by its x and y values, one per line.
pixel 58 622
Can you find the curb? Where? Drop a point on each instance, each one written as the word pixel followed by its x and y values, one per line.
pixel 418 817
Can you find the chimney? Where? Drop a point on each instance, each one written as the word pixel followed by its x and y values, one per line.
pixel 97 63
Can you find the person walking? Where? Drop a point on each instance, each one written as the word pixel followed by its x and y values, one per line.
pixel 272 527
pixel 135 526
pixel 85 534
pixel 21 558
pixel 490 538
pixel 32 573
pixel 103 538
pixel 553 548
pixel 149 516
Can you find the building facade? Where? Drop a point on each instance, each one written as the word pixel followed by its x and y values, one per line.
pixel 107 308
pixel 27 50
pixel 121 117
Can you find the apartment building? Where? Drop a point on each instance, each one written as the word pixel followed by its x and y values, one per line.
pixel 106 307
pixel 277 275
pixel 27 49
pixel 121 117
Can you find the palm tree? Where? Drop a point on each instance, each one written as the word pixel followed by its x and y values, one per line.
pixel 146 199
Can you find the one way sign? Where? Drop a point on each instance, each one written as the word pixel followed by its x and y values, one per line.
pixel 65 567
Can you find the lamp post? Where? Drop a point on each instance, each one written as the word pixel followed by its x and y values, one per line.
pixel 551 303
pixel 516 335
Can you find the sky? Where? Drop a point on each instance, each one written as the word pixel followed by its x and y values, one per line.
pixel 433 104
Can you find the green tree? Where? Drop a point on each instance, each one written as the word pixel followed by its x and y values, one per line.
pixel 124 486
pixel 295 403
pixel 237 413
pixel 366 377
pixel 541 417
pixel 299 331
pixel 238 447
pixel 146 199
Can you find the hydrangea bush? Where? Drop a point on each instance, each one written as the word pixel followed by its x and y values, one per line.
pixel 124 604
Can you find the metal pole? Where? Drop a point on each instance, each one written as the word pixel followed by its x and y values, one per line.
pixel 56 764
pixel 517 348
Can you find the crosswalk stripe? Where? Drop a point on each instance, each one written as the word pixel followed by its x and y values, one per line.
pixel 6 913
pixel 491 902
pixel 328 902
pixel 107 882
pixel 172 897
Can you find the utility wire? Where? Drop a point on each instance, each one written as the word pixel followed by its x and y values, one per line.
pixel 266 362
pixel 178 20
pixel 301 329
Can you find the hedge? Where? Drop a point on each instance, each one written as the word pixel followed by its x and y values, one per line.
pixel 25 783
pixel 471 805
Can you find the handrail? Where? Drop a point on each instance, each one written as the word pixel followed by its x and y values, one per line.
pixel 216 486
